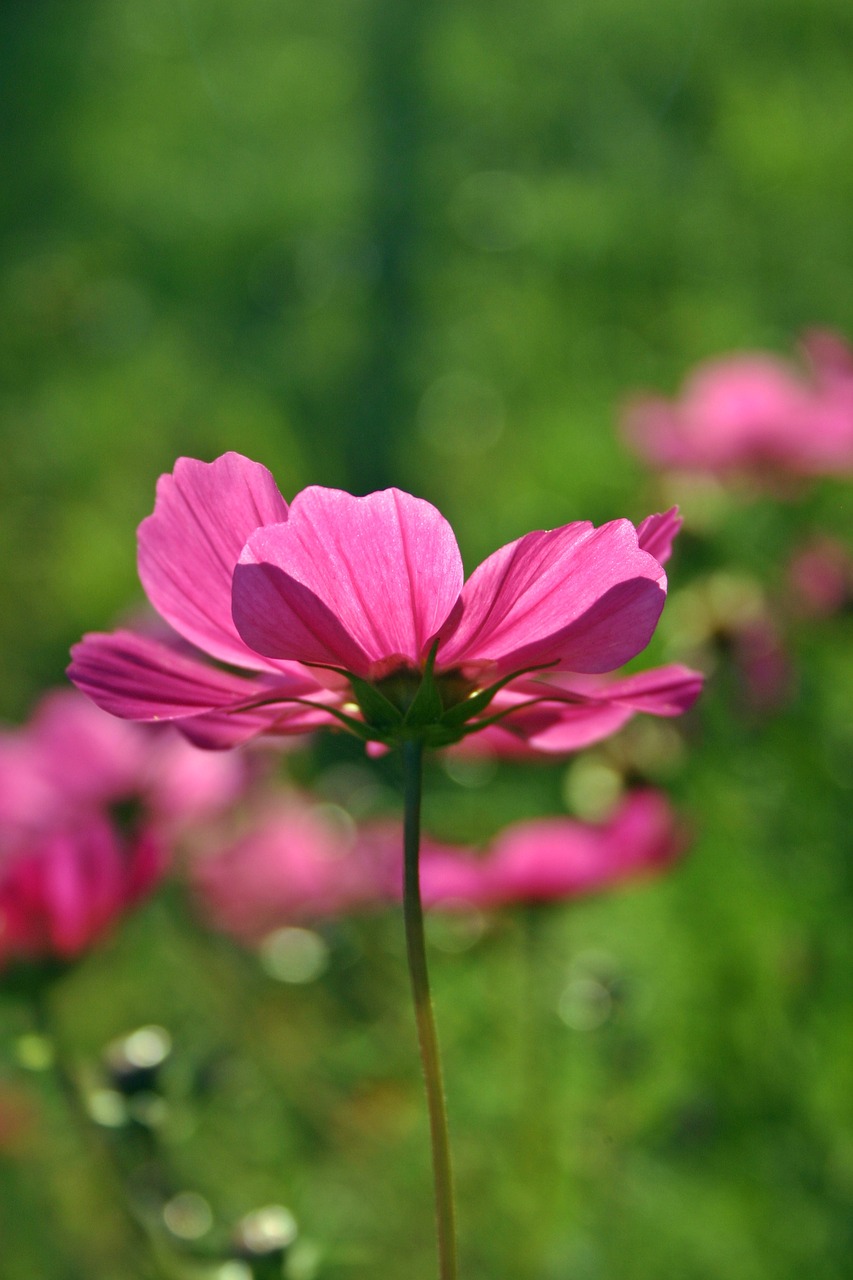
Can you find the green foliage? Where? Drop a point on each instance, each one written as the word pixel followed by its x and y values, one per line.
pixel 438 246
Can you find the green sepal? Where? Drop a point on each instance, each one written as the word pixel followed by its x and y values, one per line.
pixel 427 707
pixel 379 712
pixel 457 716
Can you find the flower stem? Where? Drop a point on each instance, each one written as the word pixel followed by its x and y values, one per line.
pixel 427 1039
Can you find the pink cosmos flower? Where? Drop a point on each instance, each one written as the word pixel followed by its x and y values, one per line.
pixel 294 866
pixel 68 867
pixel 61 889
pixel 355 610
pixel 754 414
pixel 555 858
pixel 71 757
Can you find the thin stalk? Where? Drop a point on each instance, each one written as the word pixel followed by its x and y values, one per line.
pixel 427 1039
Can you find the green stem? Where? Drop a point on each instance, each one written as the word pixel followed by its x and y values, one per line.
pixel 427 1039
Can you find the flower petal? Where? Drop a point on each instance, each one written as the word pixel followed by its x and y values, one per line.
pixel 555 730
pixel 579 710
pixel 657 533
pixel 554 858
pixel 586 599
pixel 357 583
pixel 139 678
pixel 662 691
pixel 188 548
pixel 561 857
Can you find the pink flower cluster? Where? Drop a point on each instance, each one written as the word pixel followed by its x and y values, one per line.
pixel 68 866
pixel 355 611
pixel 754 414
pixel 296 867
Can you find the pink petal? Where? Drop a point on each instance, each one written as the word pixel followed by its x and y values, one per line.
pixel 652 428
pixel 145 867
pixel 356 583
pixel 78 883
pixel 293 865
pixel 139 678
pixel 453 878
pixel 549 730
pixel 554 858
pixel 657 533
pixel 662 691
pixel 221 730
pixel 87 754
pixel 560 857
pixel 587 599
pixel 580 710
pixel 188 548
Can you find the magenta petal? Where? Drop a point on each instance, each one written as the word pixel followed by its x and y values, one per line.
pixel 662 691
pixel 188 548
pixel 583 598
pixel 552 730
pixel 652 427
pixel 579 710
pixel 561 858
pixel 349 582
pixel 657 533
pixel 554 858
pixel 138 678
pixel 219 730
pixel 295 865
pixel 453 878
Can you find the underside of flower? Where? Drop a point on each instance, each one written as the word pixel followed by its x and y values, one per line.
pixel 354 611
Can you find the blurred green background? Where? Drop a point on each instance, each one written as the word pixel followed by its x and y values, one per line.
pixel 436 245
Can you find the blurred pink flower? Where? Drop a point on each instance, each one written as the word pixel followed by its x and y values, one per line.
pixel 368 593
pixel 754 414
pixel 555 858
pixel 763 664
pixel 71 757
pixel 820 578
pixel 61 889
pixel 69 866
pixel 295 865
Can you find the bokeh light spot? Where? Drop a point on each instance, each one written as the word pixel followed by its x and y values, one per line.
pixel 188 1215
pixel 293 954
